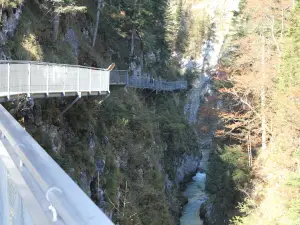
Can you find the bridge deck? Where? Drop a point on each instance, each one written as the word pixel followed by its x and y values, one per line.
pixel 47 79
pixel 39 79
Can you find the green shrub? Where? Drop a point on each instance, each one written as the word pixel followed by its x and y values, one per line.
pixel 293 180
pixel 190 76
pixel 294 211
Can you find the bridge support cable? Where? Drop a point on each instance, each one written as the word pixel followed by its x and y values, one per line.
pixel 106 97
pixel 68 107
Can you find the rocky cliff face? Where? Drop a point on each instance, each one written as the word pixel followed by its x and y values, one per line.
pixel 10 19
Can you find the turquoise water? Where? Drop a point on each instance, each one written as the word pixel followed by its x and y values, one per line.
pixel 196 195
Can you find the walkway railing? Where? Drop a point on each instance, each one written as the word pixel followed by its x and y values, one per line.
pixel 41 79
pixel 121 77
pixel 33 188
pixel 47 79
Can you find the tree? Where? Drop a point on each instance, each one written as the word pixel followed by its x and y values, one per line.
pixel 60 7
pixel 263 100
pixel 97 21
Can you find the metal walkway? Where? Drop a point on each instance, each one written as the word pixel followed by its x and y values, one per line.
pixel 39 79
pixel 34 190
pixel 121 77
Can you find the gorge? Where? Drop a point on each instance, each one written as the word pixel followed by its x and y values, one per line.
pixel 207 154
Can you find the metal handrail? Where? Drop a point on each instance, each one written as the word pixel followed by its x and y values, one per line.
pixel 48 63
pixel 121 77
pixel 117 77
pixel 45 79
pixel 49 184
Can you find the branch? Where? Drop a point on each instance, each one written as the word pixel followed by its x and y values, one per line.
pixel 114 207
pixel 70 9
pixel 282 25
pixel 273 35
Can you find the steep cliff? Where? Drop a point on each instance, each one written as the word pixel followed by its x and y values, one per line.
pixel 130 152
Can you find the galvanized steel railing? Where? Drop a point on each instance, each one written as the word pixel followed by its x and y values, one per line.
pixel 38 78
pixel 121 77
pixel 49 79
pixel 33 188
pixel 158 85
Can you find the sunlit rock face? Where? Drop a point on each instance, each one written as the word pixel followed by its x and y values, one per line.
pixel 9 23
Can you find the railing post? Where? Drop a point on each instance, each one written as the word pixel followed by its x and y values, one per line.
pixel 65 77
pixel 108 82
pixel 100 82
pixel 127 78
pixel 53 73
pixel 47 82
pixel 78 85
pixel 8 81
pixel 29 80
pixel 90 80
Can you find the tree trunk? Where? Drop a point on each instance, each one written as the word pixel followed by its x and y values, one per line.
pixel 263 101
pixel 273 36
pixel 282 25
pixel 55 24
pixel 293 4
pixel 249 147
pixel 97 22
pixel 132 42
pixel 263 119
pixel 1 8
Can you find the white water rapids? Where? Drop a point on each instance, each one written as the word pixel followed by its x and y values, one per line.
pixel 221 14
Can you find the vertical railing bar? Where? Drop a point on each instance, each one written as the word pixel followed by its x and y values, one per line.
pixel 29 80
pixel 78 90
pixel 100 73
pixel 53 74
pixel 127 77
pixel 47 82
pixel 8 81
pixel 65 76
pixel 90 79
pixel 108 82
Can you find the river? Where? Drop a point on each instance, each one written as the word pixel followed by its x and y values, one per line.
pixel 221 14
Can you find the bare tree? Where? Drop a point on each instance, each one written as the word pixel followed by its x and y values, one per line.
pixel 272 21
pixel 263 99
pixel 282 24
